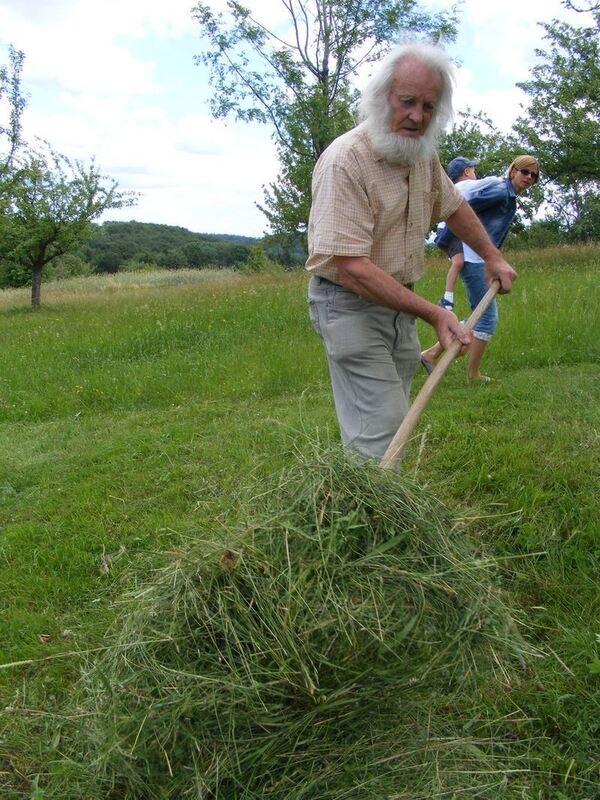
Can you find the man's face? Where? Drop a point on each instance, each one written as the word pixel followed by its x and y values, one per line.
pixel 413 98
pixel 520 181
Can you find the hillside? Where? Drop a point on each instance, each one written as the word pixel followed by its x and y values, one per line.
pixel 114 243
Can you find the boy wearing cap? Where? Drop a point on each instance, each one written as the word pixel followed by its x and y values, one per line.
pixel 459 170
pixel 494 200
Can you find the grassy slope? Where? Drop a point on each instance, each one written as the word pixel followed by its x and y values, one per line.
pixel 127 419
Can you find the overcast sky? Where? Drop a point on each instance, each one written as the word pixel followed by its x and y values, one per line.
pixel 116 80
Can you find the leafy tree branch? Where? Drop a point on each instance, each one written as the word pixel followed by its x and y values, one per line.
pixel 299 77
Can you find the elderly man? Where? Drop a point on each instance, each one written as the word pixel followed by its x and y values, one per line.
pixel 377 190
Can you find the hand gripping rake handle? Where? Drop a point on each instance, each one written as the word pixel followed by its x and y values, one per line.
pixel 394 451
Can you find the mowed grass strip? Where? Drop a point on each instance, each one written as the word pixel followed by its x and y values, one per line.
pixel 127 418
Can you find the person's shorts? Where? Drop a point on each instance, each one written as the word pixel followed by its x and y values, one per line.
pixel 454 247
pixel 473 277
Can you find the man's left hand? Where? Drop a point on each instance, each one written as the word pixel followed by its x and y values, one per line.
pixel 497 267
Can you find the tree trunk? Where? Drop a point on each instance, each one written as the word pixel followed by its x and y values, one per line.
pixel 36 286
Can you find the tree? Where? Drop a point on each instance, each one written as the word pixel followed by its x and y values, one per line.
pixel 299 78
pixel 47 202
pixel 12 105
pixel 562 119
pixel 53 202
pixel 258 262
pixel 475 136
pixel 287 200
pixel 588 5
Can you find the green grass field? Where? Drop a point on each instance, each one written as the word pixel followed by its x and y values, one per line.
pixel 132 414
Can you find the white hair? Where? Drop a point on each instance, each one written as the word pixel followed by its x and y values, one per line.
pixel 374 105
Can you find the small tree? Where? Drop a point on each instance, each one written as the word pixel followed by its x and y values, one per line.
pixel 53 202
pixel 47 202
pixel 259 262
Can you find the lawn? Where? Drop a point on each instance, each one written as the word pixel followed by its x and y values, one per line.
pixel 133 415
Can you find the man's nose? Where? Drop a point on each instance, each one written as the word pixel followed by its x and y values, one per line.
pixel 416 115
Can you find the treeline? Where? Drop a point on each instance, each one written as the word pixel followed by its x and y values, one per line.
pixel 126 246
pixel 113 246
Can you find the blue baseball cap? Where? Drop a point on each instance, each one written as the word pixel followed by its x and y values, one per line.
pixel 458 165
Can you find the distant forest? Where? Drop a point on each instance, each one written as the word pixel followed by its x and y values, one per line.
pixel 114 245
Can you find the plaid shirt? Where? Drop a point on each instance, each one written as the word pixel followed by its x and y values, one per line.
pixel 363 205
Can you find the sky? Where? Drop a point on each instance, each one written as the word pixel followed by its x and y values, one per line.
pixel 116 81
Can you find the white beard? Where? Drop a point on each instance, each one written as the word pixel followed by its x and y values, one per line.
pixel 402 149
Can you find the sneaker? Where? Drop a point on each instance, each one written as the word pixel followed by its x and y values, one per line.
pixel 447 304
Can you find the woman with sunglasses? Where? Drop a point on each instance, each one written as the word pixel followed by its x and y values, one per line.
pixel 494 200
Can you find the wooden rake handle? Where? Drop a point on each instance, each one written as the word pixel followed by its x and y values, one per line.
pixel 394 451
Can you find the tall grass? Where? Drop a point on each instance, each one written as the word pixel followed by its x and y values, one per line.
pixel 548 316
pixel 77 288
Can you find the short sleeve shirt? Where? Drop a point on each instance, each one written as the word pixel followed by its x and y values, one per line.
pixel 363 205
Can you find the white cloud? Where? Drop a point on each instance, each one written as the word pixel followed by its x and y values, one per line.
pixel 496 47
pixel 502 106
pixel 505 40
pixel 77 44
pixel 194 171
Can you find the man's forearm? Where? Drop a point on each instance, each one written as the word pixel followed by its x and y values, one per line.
pixel 363 277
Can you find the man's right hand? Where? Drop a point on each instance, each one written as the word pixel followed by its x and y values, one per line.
pixel 448 328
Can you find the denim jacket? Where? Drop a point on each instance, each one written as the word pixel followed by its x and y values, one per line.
pixel 495 203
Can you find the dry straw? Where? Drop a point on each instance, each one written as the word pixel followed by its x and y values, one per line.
pixel 313 652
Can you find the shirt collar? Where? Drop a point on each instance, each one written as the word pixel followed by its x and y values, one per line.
pixel 511 188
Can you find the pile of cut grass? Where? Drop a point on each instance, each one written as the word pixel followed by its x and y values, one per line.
pixel 312 650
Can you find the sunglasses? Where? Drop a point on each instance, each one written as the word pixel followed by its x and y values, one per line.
pixel 526 172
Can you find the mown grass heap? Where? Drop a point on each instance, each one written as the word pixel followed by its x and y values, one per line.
pixel 312 653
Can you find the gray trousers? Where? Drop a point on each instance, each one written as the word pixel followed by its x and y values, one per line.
pixel 373 353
